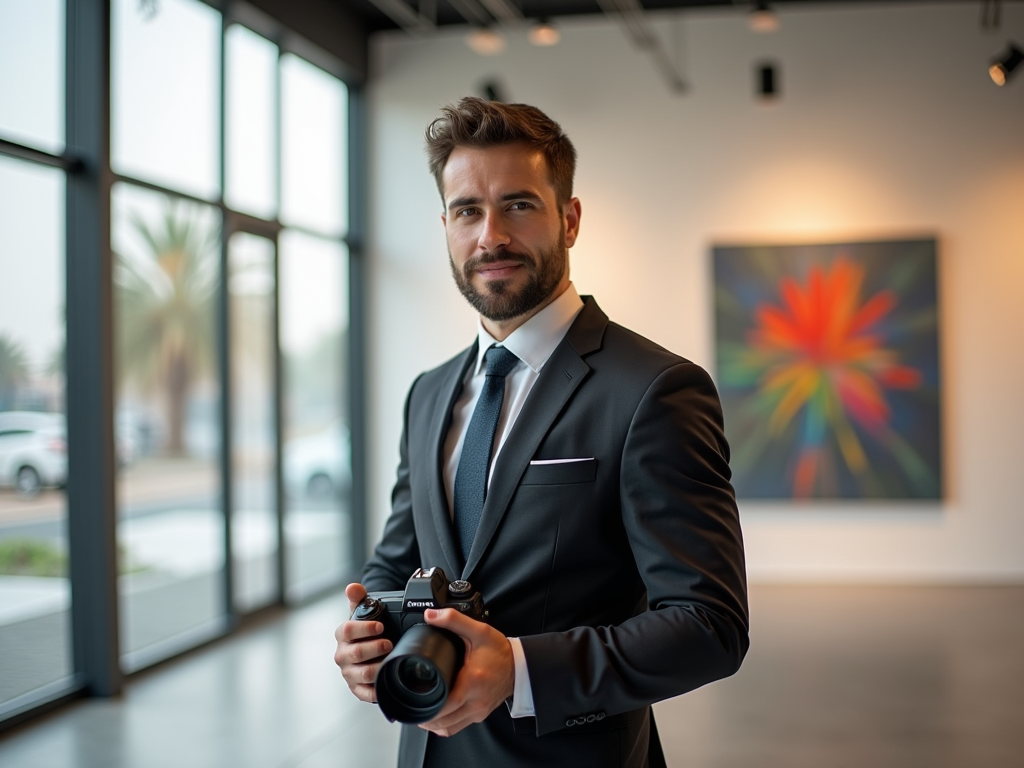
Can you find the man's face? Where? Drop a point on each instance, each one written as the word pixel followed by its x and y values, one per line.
pixel 508 238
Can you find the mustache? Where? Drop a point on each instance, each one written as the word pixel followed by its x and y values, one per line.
pixel 476 262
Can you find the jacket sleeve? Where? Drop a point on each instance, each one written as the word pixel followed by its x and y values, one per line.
pixel 679 512
pixel 397 554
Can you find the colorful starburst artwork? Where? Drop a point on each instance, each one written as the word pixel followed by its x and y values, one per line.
pixel 828 369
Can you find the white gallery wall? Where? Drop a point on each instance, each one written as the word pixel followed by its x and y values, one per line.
pixel 888 126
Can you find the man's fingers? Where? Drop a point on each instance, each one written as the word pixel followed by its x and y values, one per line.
pixel 354 631
pixel 368 650
pixel 361 652
pixel 360 674
pixel 461 625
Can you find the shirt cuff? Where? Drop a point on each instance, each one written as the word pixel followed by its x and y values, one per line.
pixel 522 692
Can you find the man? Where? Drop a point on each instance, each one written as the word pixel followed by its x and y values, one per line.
pixel 595 516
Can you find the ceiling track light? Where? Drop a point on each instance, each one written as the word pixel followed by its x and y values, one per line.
pixel 763 18
pixel 1002 67
pixel 486 41
pixel 544 33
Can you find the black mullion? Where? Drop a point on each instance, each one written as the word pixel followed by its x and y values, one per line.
pixel 24 152
pixel 92 509
pixel 134 180
pixel 279 383
pixel 224 352
pixel 357 176
pixel 279 495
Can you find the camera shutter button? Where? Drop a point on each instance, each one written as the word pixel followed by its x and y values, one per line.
pixel 460 587
pixel 368 608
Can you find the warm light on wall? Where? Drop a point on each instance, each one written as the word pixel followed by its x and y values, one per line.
pixel 486 41
pixel 763 18
pixel 544 33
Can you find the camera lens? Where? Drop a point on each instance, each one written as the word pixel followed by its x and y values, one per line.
pixel 414 680
pixel 417 676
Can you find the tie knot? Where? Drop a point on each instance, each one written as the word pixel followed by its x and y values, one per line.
pixel 499 361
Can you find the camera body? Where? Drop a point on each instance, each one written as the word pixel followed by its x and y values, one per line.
pixel 414 680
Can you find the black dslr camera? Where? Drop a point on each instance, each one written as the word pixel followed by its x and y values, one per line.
pixel 414 679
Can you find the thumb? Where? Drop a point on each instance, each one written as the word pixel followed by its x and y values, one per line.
pixel 355 593
pixel 452 620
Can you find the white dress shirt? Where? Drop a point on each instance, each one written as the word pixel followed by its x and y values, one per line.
pixel 533 343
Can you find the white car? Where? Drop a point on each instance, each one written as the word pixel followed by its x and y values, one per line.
pixel 317 465
pixel 33 451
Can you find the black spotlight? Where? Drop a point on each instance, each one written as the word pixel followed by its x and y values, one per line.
pixel 766 79
pixel 492 90
pixel 1002 67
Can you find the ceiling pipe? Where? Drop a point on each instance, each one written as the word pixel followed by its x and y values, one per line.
pixel 508 15
pixel 472 11
pixel 630 15
pixel 404 16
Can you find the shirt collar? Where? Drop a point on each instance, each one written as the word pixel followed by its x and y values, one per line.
pixel 535 340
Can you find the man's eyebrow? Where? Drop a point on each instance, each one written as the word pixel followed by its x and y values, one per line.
pixel 523 194
pixel 458 202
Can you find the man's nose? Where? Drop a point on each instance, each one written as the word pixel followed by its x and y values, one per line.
pixel 494 235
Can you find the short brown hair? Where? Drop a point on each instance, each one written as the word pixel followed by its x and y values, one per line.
pixel 478 123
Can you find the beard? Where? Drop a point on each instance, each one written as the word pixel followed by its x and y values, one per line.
pixel 500 302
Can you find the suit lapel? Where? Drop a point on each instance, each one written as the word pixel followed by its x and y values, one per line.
pixel 451 387
pixel 562 374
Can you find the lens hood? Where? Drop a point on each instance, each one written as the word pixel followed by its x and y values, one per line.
pixel 414 680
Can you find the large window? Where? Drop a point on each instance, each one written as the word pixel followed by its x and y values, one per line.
pixel 34 590
pixel 225 361
pixel 236 468
pixel 35 594
pixel 170 531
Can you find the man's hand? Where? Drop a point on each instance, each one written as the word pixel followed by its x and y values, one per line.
pixel 487 676
pixel 360 651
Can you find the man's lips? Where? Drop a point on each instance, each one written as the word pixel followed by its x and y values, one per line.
pixel 498 270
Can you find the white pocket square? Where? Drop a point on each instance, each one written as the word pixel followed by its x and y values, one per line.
pixel 537 462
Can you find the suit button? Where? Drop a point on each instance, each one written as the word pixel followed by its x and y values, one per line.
pixel 591 718
pixel 570 723
pixel 600 716
pixel 581 720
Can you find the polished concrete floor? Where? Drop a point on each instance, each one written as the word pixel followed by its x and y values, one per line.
pixel 865 677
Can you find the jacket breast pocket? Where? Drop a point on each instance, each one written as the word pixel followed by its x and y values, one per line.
pixel 559 472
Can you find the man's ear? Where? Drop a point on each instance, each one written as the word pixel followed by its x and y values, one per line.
pixel 572 213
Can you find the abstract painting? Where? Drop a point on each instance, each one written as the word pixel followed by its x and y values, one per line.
pixel 828 369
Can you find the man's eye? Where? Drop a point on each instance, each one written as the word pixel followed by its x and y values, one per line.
pixel 521 205
pixel 466 212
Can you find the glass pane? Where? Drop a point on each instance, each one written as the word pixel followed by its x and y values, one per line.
pixel 317 467
pixel 35 599
pixel 314 119
pixel 32 72
pixel 254 530
pixel 165 93
pixel 250 106
pixel 171 524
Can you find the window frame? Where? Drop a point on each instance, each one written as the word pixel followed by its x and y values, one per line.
pixel 91 502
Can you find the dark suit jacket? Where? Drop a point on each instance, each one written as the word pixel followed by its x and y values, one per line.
pixel 623 576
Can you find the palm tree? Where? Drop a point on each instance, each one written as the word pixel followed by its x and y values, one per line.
pixel 14 369
pixel 166 295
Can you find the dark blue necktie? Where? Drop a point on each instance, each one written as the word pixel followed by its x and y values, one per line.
pixel 471 476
